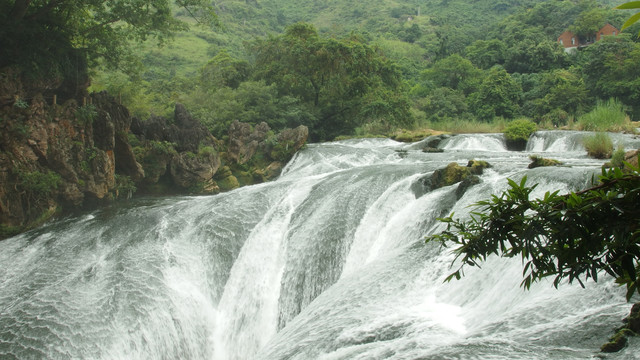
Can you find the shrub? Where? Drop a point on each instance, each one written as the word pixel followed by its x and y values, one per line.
pixel 607 116
pixel 599 145
pixel 86 114
pixel 517 133
pixel 617 159
pixel 39 183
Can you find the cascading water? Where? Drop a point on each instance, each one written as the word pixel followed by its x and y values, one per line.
pixel 327 262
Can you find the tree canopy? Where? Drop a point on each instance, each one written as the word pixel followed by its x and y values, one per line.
pixel 572 236
pixel 57 37
pixel 344 82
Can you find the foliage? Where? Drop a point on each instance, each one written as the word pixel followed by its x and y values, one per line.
pixel 570 237
pixel 599 145
pixel 86 114
pixel 607 116
pixel 498 95
pixel 634 18
pixel 341 81
pixel 56 37
pixel 454 72
pixel 124 186
pixel 612 71
pixel 37 183
pixel 520 130
pixel 617 158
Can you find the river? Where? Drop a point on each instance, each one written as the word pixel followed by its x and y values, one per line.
pixel 327 262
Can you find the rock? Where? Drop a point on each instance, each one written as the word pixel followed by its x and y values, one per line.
pixel 631 157
pixel 297 137
pixel 225 179
pixel 273 170
pixel 617 342
pixel 633 320
pixel 244 141
pixel 189 170
pixel 465 184
pixel 451 174
pixel 537 161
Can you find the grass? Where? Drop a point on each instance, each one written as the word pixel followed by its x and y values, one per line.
pixel 607 116
pixel 599 145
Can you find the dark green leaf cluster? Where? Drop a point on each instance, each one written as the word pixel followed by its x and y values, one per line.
pixel 567 237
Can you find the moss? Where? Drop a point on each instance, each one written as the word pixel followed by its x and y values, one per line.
pixel 245 178
pixel 7 231
pixel 450 175
pixel 618 341
pixel 537 161
pixel 228 183
pixel 478 166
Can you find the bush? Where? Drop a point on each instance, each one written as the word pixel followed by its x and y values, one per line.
pixel 517 133
pixel 520 130
pixel 607 116
pixel 617 159
pixel 86 114
pixel 599 145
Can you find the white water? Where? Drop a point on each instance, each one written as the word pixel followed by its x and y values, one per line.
pixel 328 262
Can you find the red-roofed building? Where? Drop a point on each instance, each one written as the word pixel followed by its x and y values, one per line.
pixel 570 40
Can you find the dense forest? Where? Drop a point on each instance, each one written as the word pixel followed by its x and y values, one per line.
pixel 368 68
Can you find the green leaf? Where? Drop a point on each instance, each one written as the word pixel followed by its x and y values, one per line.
pixel 631 20
pixel 629 5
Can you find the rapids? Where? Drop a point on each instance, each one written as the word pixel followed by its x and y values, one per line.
pixel 327 262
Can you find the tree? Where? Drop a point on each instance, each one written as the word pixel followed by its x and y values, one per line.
pixel 588 23
pixel 498 95
pixel 55 38
pixel 611 71
pixel 571 236
pixel 487 53
pixel 454 72
pixel 342 81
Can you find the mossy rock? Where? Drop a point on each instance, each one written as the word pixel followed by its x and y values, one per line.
pixel 618 341
pixel 537 161
pixel 245 178
pixel 477 166
pixel 228 183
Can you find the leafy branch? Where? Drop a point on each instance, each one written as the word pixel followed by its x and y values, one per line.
pixel 572 236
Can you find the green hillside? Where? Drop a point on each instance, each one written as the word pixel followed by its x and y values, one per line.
pixel 418 37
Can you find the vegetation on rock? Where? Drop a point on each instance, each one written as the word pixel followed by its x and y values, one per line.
pixel 538 161
pixel 599 145
pixel 518 132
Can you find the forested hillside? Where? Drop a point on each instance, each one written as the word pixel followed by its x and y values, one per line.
pixel 445 62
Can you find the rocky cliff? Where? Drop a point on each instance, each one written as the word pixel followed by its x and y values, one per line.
pixel 89 151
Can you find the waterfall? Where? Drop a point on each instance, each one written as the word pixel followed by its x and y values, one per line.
pixel 327 262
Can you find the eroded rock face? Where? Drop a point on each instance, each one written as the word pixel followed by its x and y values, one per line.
pixel 192 160
pixel 60 156
pixel 188 170
pixel 244 141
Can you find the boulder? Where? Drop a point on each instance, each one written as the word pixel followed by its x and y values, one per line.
pixel 449 175
pixel 189 170
pixel 537 161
